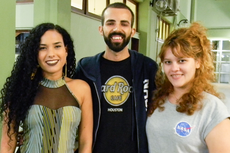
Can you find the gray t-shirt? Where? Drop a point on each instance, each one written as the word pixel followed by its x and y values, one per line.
pixel 172 132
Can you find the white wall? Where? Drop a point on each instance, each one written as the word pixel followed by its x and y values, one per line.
pixel 24 16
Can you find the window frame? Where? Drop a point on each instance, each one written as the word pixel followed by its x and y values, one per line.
pixel 163 30
pixel 84 10
pixel 24 1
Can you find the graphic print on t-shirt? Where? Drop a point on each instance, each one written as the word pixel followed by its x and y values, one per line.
pixel 183 129
pixel 116 90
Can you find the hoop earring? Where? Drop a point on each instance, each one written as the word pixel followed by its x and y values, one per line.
pixel 34 73
pixel 66 69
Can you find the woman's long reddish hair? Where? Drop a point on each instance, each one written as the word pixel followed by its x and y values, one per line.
pixel 189 42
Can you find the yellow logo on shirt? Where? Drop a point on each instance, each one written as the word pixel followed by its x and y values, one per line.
pixel 116 90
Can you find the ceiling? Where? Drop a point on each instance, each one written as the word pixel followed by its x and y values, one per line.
pixel 214 13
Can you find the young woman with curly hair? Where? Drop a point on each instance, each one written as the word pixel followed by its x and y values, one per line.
pixel 41 97
pixel 185 114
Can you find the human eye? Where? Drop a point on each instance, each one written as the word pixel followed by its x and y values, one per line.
pixel 42 48
pixel 182 60
pixel 110 23
pixel 58 46
pixel 125 23
pixel 167 62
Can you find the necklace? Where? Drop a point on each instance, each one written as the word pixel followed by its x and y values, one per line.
pixel 52 83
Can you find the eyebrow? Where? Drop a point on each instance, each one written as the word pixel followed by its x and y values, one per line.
pixel 166 59
pixel 122 21
pixel 53 43
pixel 110 20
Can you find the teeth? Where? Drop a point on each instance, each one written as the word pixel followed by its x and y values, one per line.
pixel 117 38
pixel 175 76
pixel 52 62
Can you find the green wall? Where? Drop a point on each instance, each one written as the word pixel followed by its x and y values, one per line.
pixel 56 11
pixel 7 40
pixel 87 39
pixel 143 29
pixel 84 29
pixel 219 33
pixel 215 16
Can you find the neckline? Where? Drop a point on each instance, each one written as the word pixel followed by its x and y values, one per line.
pixel 53 83
pixel 171 104
pixel 38 105
pixel 107 61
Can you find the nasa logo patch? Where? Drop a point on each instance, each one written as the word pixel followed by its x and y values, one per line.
pixel 183 129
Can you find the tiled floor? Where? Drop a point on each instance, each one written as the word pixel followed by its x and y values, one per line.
pixel 225 89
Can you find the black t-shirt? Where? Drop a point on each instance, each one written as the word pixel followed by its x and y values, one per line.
pixel 117 128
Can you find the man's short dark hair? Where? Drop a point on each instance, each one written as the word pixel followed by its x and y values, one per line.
pixel 119 6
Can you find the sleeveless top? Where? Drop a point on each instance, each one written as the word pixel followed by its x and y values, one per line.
pixel 52 121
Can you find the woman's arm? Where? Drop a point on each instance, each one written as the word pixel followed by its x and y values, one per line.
pixel 218 140
pixel 8 145
pixel 82 91
pixel 86 125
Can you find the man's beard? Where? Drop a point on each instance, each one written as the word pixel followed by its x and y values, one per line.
pixel 116 47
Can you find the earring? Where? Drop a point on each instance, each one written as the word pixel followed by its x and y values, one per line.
pixel 66 69
pixel 32 76
pixel 34 72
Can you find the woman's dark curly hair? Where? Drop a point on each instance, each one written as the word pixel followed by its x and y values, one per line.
pixel 190 42
pixel 19 90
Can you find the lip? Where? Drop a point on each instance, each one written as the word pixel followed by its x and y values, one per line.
pixel 116 35
pixel 116 38
pixel 176 76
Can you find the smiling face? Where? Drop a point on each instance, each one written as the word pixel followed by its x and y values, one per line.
pixel 52 54
pixel 180 71
pixel 117 29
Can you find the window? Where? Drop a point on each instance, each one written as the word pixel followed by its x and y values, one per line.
pixel 94 8
pixel 77 4
pixel 20 37
pixel 221 55
pixel 163 29
pixel 133 7
pixel 113 1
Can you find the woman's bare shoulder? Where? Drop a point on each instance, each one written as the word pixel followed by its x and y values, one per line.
pixel 76 81
pixel 77 85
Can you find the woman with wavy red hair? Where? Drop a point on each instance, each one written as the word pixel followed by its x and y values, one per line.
pixel 185 114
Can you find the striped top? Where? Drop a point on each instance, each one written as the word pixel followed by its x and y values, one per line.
pixel 52 122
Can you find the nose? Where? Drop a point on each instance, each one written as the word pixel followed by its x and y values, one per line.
pixel 175 66
pixel 117 28
pixel 51 53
